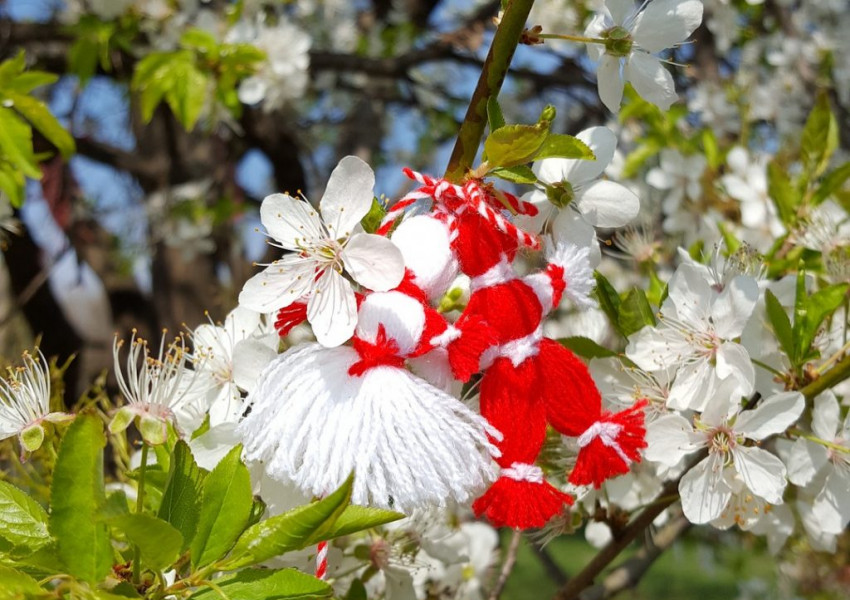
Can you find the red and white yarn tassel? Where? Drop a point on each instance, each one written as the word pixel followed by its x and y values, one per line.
pixel 322 560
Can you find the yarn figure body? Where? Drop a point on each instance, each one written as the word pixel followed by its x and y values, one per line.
pixel 529 382
pixel 318 413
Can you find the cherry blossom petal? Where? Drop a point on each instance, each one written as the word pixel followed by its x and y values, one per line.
pixel 607 204
pixel 373 261
pixel 250 357
pixel 734 360
pixel 665 23
pixel 763 473
pixel 594 29
pixel 732 309
pixel 546 211
pixel 825 416
pixel 774 415
pixel 693 387
pixel 332 309
pixel 278 285
pixel 571 228
pixel 610 82
pixel 669 439
pixel 241 322
pixel 650 79
pixel 290 221
pixel 600 140
pixel 704 491
pixel 691 296
pixel 620 10
pixel 654 349
pixel 348 196
pixel 831 506
pixel 804 460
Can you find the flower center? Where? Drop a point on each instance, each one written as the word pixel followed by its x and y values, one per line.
pixel 722 440
pixel 618 41
pixel 560 194
pixel 327 252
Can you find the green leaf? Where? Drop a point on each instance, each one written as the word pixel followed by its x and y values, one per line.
pixel 518 174
pixel 76 496
pixel 635 312
pixel 29 80
pixel 586 347
pixel 151 80
pixel 820 137
pixel 710 149
pixel 16 143
pixel 200 40
pixel 37 113
pixel 818 307
pixel 559 145
pixel 159 543
pixel 634 161
pixel 781 325
pixel 82 59
pixel 373 218
pixel 513 145
pixel 12 183
pixel 783 194
pixel 832 182
pixel 495 118
pixel 356 518
pixel 187 93
pixel 292 530
pixel 225 509
pixel 609 300
pixel 15 585
pixel 23 522
pixel 266 584
pixel 116 505
pixel 11 69
pixel 357 591
pixel 181 502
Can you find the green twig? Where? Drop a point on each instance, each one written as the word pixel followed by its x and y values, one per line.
pixel 140 506
pixel 830 379
pixel 505 41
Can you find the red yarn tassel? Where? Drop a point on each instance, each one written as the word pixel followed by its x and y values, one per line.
pixel 465 352
pixel 290 316
pixel 610 445
pixel 520 504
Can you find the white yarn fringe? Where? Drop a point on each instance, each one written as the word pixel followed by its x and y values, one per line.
pixel 578 274
pixel 409 444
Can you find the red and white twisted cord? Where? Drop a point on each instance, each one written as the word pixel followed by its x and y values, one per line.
pixel 322 560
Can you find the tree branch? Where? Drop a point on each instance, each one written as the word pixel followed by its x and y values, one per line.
pixel 628 575
pixel 493 74
pixel 507 566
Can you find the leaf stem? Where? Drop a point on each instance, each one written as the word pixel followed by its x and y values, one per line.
pixel 570 38
pixel 830 379
pixel 140 505
pixel 496 65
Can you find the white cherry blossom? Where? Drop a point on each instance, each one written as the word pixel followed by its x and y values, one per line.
pixel 25 402
pixel 708 487
pixel 593 202
pixel 322 248
pixel 825 466
pixel 234 353
pixel 631 38
pixel 695 335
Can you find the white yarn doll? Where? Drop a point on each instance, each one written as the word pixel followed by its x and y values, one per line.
pixel 317 413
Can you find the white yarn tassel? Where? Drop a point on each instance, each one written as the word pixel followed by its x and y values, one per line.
pixel 578 274
pixel 409 444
